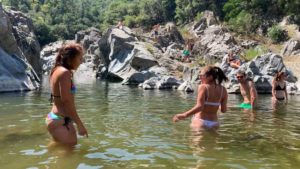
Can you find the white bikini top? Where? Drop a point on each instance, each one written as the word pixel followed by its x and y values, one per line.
pixel 213 103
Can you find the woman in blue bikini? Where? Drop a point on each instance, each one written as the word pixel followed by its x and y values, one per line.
pixel 60 120
pixel 211 96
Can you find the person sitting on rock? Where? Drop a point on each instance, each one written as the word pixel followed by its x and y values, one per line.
pixel 120 25
pixel 233 60
pixel 186 53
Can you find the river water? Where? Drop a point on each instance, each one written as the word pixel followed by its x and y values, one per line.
pixel 132 128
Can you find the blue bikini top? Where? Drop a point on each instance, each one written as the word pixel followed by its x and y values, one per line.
pixel 73 87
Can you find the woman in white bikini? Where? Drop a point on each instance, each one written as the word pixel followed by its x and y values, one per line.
pixel 211 96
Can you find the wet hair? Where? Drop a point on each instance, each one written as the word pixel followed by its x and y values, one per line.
pixel 66 55
pixel 242 72
pixel 278 75
pixel 216 73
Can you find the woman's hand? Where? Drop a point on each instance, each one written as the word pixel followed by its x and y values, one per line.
pixel 82 131
pixel 178 117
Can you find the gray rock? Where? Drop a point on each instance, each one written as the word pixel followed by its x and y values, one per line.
pixel 291 47
pixel 186 86
pixel 164 82
pixel 23 31
pixel 126 58
pixel 19 53
pixel 16 74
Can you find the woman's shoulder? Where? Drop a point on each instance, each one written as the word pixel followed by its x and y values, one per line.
pixel 63 72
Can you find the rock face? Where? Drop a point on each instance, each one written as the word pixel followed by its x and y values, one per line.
pixel 16 74
pixel 22 28
pixel 292 47
pixel 124 56
pixel 18 50
pixel 214 43
pixel 212 40
pixel 261 70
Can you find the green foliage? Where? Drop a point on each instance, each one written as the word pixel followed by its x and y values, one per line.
pixel 243 23
pixel 187 10
pixel 42 31
pixel 61 19
pixel 277 34
pixel 198 16
pixel 149 48
pixel 253 52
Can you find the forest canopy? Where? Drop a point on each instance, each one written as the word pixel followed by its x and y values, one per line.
pixel 61 19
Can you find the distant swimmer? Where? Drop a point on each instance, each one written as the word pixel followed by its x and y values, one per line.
pixel 211 96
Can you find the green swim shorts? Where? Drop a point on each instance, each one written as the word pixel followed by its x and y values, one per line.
pixel 245 105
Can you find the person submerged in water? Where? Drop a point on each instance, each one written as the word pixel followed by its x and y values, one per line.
pixel 247 89
pixel 211 96
pixel 279 92
pixel 63 113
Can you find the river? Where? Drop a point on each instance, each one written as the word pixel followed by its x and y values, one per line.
pixel 132 128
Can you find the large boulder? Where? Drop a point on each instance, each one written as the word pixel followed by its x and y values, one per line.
pixel 16 74
pixel 208 19
pixel 23 31
pixel 164 82
pixel 125 56
pixel 169 35
pixel 8 41
pixel 16 71
pixel 291 47
pixel 214 43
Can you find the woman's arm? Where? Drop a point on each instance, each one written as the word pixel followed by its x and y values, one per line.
pixel 253 93
pixel 285 92
pixel 273 88
pixel 224 100
pixel 197 108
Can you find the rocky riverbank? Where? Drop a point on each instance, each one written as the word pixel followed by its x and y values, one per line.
pixel 136 57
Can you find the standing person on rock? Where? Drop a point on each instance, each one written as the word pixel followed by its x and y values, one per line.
pixel 63 113
pixel 211 96
pixel 248 90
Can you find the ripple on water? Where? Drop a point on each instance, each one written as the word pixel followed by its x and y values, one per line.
pixel 86 166
pixel 32 152
pixel 113 154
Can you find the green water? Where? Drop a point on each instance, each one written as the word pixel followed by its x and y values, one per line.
pixel 132 128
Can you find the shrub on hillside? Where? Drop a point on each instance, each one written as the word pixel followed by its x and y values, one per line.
pixel 277 34
pixel 244 23
pixel 253 52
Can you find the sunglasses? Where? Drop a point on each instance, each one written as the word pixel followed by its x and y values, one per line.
pixel 239 77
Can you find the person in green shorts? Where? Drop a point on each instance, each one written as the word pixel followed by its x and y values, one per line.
pixel 247 89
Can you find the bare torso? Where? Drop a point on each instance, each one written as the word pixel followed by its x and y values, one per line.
pixel 58 106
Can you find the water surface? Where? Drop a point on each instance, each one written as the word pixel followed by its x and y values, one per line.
pixel 132 128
